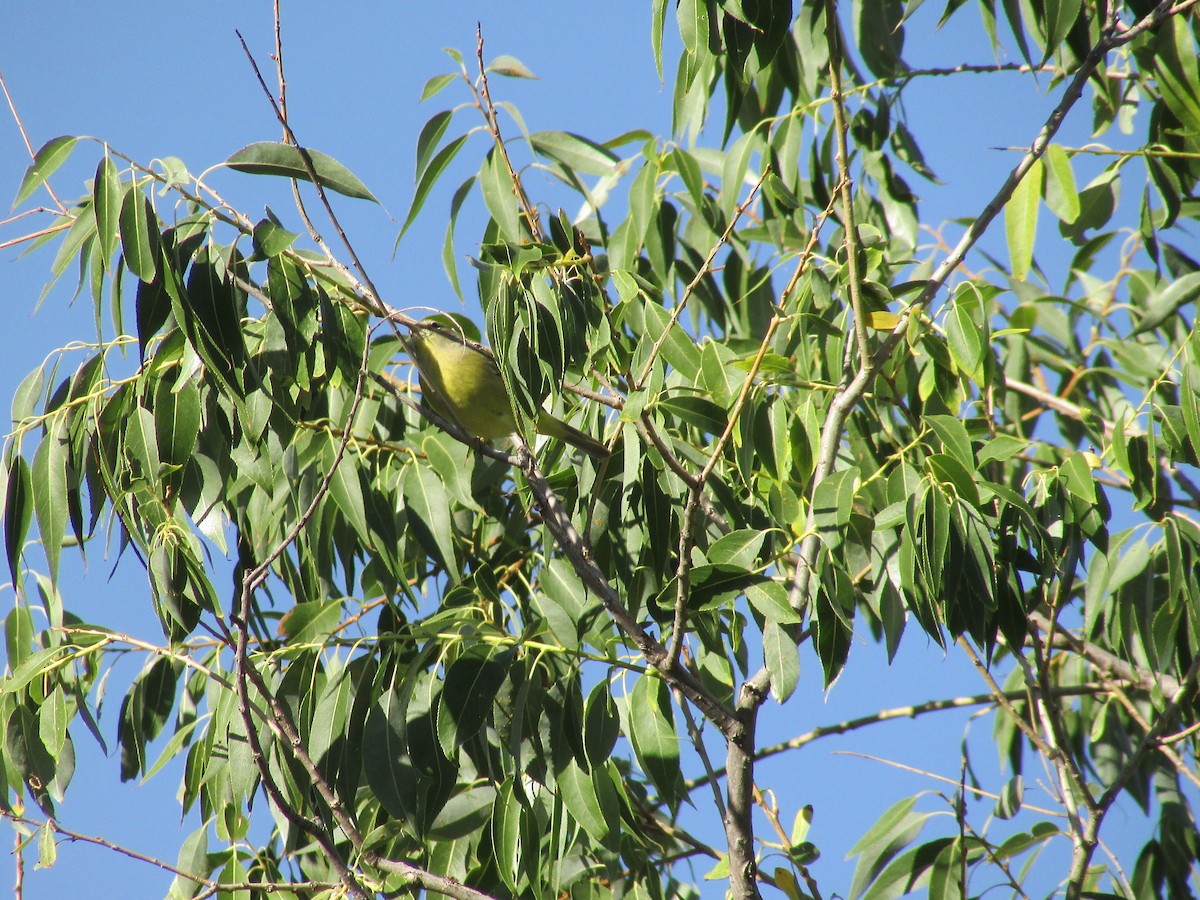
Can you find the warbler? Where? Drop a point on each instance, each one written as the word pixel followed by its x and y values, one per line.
pixel 464 385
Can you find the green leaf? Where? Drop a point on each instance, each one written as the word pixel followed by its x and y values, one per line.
pixel 782 660
pixel 953 435
pixel 429 178
pixel 285 160
pixel 430 137
pixel 1179 72
pixel 193 859
pixel 454 463
pixel 678 349
pixel 343 336
pixel 506 834
pixel 1166 300
pixel 949 471
pixel 141 444
pixel 894 830
pixel 510 67
pixel 18 639
pixel 1097 203
pixel 738 548
pixel 449 263
pixel 578 793
pixel 46 161
pixel 471 685
pixel 1009 802
pixel 1077 475
pixel 32 666
pixel 579 154
pixel 833 499
pixel 386 765
pixel 770 598
pixel 1020 220
pixel 18 512
pixel 655 741
pixel 310 623
pixel 140 241
pixel 144 712
pixel 465 814
pixel 49 482
pixel 436 85
pixel 1061 195
pixel 346 490
pixel 1060 19
pixel 25 753
pixel 879 34
pixel 966 343
pixel 561 601
pixel 601 725
pixel 428 508
pixel 106 205
pixel 692 17
pixel 212 306
pixel 271 239
pixel 497 188
pixel 658 18
pixel 176 421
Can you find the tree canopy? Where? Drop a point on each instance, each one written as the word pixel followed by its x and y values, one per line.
pixel 506 670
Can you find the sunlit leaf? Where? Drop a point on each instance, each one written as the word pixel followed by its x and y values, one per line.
pixel 1020 220
pixel 285 160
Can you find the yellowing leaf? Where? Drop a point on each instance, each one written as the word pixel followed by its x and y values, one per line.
pixel 882 320
pixel 785 880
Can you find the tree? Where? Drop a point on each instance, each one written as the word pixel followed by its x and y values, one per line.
pixel 470 669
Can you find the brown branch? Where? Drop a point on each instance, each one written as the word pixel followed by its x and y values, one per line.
pixel 484 101
pixel 573 545
pixel 439 884
pixel 12 107
pixel 771 811
pixel 280 720
pixel 1102 659
pixel 366 284
pixel 844 186
pixel 885 715
pixel 704 270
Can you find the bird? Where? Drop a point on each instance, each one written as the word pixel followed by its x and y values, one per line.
pixel 463 384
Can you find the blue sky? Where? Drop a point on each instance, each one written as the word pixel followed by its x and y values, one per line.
pixel 159 79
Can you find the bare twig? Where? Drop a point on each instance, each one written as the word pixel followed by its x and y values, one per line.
pixel 696 279
pixel 484 101
pixel 364 279
pixel 573 545
pixel 12 107
pixel 885 715
pixel 414 876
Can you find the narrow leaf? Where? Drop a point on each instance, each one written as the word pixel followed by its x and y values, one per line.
pixel 1062 197
pixel 49 157
pixel 429 178
pixel 139 234
pixel 285 160
pixel 655 741
pixel 1020 220
pixel 50 493
pixel 18 512
pixel 106 204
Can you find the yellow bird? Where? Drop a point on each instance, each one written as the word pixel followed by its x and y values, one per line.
pixel 463 384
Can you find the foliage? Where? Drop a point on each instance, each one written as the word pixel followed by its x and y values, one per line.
pixel 450 666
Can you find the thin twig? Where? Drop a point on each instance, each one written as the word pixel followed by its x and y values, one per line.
pixel 703 271
pixel 12 107
pixel 484 100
